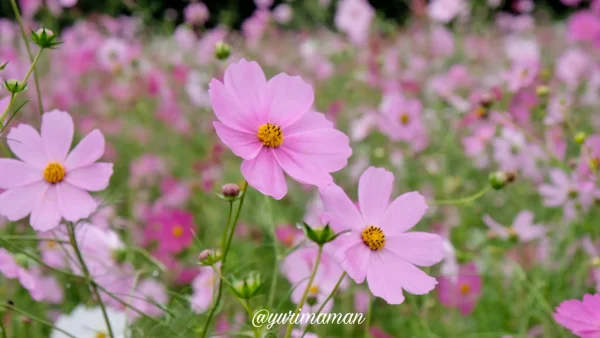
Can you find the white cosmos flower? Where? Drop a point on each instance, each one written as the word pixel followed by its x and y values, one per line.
pixel 89 323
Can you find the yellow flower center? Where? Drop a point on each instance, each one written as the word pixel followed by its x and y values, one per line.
pixel 177 231
pixel 405 118
pixel 373 237
pixel 270 135
pixel 596 261
pixel 464 289
pixel 101 335
pixel 54 172
pixel 314 290
pixel 51 244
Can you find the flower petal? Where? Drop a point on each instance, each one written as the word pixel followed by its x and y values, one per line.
pixel 374 190
pixel 308 122
pixel 94 177
pixel 354 256
pixel 45 214
pixel 15 173
pixel 264 173
pixel 248 83
pixel 418 248
pixel 57 134
pixel 383 280
pixel 290 98
pixel 17 203
pixel 340 211
pixel 300 169
pixel 326 148
pixel 228 110
pixel 74 203
pixel 27 144
pixel 404 213
pixel 88 151
pixel 243 144
pixel 406 275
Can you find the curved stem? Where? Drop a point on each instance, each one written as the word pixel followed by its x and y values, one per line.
pixel 89 279
pixel 26 42
pixel 225 244
pixel 337 286
pixel 37 319
pixel 13 96
pixel 464 200
pixel 290 326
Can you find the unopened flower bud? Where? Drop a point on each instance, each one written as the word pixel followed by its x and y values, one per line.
pixel 222 50
pixel 542 91
pixel 247 287
pixel 500 179
pixel 580 137
pixel 320 235
pixel 44 38
pixel 311 300
pixel 209 257
pixel 15 86
pixel 230 190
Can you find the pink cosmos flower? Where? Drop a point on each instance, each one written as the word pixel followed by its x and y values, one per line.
pixel 283 13
pixel 203 287
pixel 568 192
pixel 288 235
pixel 171 229
pixel 522 227
pixel 270 125
pixel 12 270
pixel 462 292
pixel 148 293
pixel 591 248
pixel 572 66
pixel 50 183
pixel 590 158
pixel 445 10
pixel 378 246
pixel 196 13
pixel 354 17
pixel 401 118
pixel 583 26
pixel 581 317
pixel 514 153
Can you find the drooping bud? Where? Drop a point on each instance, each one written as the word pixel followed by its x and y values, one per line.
pixel 209 257
pixel 580 137
pixel 222 50
pixel 44 38
pixel 248 286
pixel 500 179
pixel 15 86
pixel 230 192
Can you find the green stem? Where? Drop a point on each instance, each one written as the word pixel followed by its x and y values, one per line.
pixel 33 239
pixel 89 279
pixel 14 95
pixel 464 200
pixel 225 249
pixel 368 322
pixel 290 326
pixel 4 334
pixel 36 319
pixel 26 42
pixel 337 286
pixel 250 311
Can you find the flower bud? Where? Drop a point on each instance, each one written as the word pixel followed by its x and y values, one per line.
pixel 222 50
pixel 44 38
pixel 311 300
pixel 542 91
pixel 230 192
pixel 120 255
pixel 15 86
pixel 500 179
pixel 320 235
pixel 486 100
pixel 22 260
pixel 209 257
pixel 580 137
pixel 3 66
pixel 248 286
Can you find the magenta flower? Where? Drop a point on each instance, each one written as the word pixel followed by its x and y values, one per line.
pixel 270 125
pixel 461 292
pixel 581 317
pixel 378 246
pixel 171 229
pixel 522 227
pixel 49 182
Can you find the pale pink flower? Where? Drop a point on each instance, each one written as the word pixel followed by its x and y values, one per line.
pixel 196 13
pixel 283 13
pixel 272 127
pixel 513 153
pixel 581 317
pixel 445 10
pixel 203 287
pixel 354 17
pixel 149 296
pixel 378 247
pixel 401 118
pixel 572 66
pixel 50 183
pixel 462 292
pixel 12 270
pixel 568 192
pixel 523 227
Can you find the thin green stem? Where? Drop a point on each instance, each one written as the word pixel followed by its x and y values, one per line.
pixel 368 322
pixel 91 282
pixel 337 286
pixel 250 316
pixel 290 326
pixel 14 95
pixel 229 232
pixel 33 239
pixel 4 334
pixel 36 319
pixel 464 200
pixel 26 42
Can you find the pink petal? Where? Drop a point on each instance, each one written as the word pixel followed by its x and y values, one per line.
pixel 290 99
pixel 17 203
pixel 265 175
pixel 27 144
pixel 300 169
pixel 496 227
pixel 560 179
pixel 57 134
pixel 523 219
pixel 14 173
pixel 228 110
pixel 374 190
pixel 26 279
pixel 418 248
pixel 383 280
pixel 8 266
pixel 45 214
pixel 74 203
pixel 411 278
pixel 592 303
pixel 354 256
pixel 404 213
pixel 248 83
pixel 88 151
pixel 243 144
pixel 340 210
pixel 329 149
pixel 94 177
pixel 308 122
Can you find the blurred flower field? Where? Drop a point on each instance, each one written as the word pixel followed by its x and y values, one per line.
pixel 441 178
